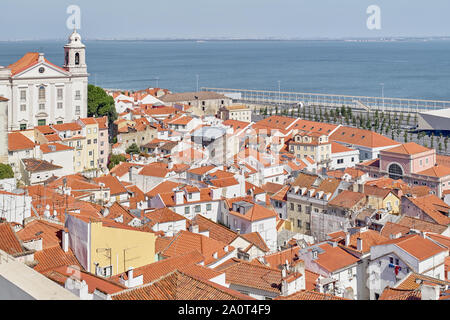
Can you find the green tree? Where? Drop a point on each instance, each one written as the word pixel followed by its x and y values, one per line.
pixel 115 159
pixel 101 104
pixel 6 171
pixel 133 149
pixel 343 110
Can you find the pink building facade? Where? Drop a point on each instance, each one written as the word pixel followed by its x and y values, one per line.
pixel 412 163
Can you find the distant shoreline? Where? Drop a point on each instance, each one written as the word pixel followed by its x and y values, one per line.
pixel 201 40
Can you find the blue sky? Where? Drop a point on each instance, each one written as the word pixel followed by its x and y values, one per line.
pixel 46 19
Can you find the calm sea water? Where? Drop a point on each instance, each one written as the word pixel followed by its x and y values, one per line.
pixel 410 69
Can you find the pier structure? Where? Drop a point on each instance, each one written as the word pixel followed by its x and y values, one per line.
pixel 295 99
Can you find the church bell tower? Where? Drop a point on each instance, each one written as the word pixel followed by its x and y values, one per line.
pixel 75 55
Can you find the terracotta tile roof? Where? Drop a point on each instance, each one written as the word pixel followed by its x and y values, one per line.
pixel 53 257
pixel 361 137
pixel 445 241
pixel 156 270
pixel 338 148
pixel 408 148
pixel 393 229
pixel 114 185
pixel 35 165
pixel 281 195
pixel 235 124
pixel 163 215
pixel 433 207
pixel 17 141
pixel 272 188
pixel 216 231
pixel 369 238
pixel 52 137
pixel 106 286
pixel 88 121
pixel 278 259
pixel 9 242
pixel 190 96
pixel 50 233
pixel 256 239
pixel 256 213
pixel 155 169
pixel 201 170
pixel 27 61
pixel 164 187
pixel 117 211
pixel 347 199
pixel 311 280
pixel 3 99
pixel 224 182
pixel 309 295
pixel 334 258
pixel 75 182
pixel 436 171
pixel 411 281
pixel 400 294
pixel 70 126
pixel 185 241
pixel 416 246
pixel 54 147
pixel 123 168
pixel 376 192
pixel 243 273
pixel 180 286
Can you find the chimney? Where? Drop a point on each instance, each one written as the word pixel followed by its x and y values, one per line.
pixel 359 244
pixel 238 231
pixel 179 197
pixel 226 249
pixel 41 57
pixel 130 274
pixel 65 241
pixel 430 292
pixel 347 239
pixel 194 228
pixel 215 255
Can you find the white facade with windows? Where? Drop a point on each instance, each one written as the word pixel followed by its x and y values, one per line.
pixel 41 93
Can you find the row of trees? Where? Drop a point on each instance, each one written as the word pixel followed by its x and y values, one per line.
pixel 386 123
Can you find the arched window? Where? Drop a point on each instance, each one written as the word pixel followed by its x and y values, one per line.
pixel 77 58
pixel 41 93
pixel 67 58
pixel 395 172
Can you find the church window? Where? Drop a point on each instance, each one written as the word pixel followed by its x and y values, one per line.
pixel 23 126
pixel 395 172
pixel 41 122
pixel 41 93
pixel 23 95
pixel 59 105
pixel 23 107
pixel 77 109
pixel 41 106
pixel 77 58
pixel 67 58
pixel 77 95
pixel 60 93
pixel 59 122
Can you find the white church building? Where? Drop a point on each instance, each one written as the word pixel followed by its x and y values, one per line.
pixel 42 93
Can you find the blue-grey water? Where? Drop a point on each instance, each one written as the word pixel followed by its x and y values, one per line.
pixel 408 69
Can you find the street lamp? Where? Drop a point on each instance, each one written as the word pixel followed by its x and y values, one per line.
pixel 279 94
pixel 382 93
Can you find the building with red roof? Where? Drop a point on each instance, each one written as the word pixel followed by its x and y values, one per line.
pixel 62 92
